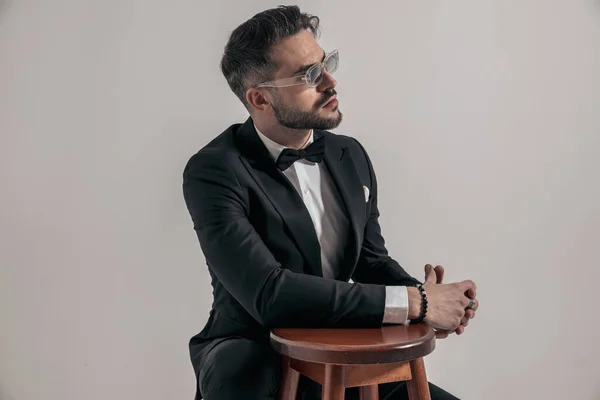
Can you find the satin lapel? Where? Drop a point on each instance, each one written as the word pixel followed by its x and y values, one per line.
pixel 282 194
pixel 343 172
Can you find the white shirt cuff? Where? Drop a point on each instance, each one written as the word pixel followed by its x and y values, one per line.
pixel 396 305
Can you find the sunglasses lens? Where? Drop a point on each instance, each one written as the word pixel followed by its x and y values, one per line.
pixel 332 63
pixel 315 74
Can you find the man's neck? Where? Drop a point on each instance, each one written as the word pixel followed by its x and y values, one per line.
pixel 290 138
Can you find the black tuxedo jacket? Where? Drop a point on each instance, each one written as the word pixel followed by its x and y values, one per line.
pixel 261 248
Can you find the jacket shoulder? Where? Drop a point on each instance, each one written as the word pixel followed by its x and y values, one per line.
pixel 220 151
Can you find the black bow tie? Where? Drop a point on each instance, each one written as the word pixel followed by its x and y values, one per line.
pixel 314 152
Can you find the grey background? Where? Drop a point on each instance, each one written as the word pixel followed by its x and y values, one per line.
pixel 482 118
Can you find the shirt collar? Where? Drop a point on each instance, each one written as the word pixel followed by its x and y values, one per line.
pixel 275 148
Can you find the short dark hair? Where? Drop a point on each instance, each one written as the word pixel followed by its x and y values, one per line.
pixel 246 61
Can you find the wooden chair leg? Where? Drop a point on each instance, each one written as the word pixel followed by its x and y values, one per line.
pixel 369 392
pixel 333 388
pixel 289 381
pixel 418 387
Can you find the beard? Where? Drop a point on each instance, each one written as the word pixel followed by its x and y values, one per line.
pixel 293 118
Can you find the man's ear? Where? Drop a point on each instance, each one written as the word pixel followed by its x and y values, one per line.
pixel 258 99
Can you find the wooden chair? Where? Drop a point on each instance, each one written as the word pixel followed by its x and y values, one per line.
pixel 342 358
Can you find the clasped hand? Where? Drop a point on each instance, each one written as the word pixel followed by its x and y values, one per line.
pixel 447 310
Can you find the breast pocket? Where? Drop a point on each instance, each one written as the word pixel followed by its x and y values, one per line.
pixel 367 193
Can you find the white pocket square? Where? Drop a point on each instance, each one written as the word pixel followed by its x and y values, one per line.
pixel 366 189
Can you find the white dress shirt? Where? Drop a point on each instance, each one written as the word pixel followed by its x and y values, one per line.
pixel 316 188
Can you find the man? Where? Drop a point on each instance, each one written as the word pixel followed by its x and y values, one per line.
pixel 286 215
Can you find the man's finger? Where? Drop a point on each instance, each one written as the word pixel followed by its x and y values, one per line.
pixel 441 334
pixel 429 274
pixel 466 285
pixel 460 330
pixel 475 306
pixel 465 321
pixel 470 313
pixel 471 293
pixel 439 273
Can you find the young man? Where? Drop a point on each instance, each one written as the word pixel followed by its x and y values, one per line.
pixel 286 215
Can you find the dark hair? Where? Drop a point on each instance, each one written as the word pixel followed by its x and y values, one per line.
pixel 246 61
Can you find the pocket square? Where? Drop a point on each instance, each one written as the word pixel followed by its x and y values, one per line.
pixel 366 189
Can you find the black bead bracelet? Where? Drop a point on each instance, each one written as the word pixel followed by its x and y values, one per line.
pixel 423 306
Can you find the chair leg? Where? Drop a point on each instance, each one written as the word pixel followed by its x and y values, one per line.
pixel 369 392
pixel 333 388
pixel 289 380
pixel 418 387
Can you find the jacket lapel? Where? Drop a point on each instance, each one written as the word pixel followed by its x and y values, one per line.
pixel 282 194
pixel 343 172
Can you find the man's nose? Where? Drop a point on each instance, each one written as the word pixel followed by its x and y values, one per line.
pixel 328 81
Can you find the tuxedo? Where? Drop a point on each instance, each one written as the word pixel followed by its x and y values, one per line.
pixel 261 249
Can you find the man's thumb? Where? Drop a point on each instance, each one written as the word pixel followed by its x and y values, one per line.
pixel 430 276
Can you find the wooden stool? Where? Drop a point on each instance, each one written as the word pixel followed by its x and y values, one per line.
pixel 341 358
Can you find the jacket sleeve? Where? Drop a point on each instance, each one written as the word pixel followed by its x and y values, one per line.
pixel 374 265
pixel 273 295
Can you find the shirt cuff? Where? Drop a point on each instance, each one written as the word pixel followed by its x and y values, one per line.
pixel 396 305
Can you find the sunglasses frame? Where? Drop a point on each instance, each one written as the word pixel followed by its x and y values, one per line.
pixel 304 78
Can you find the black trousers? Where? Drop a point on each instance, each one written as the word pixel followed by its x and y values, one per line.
pixel 242 369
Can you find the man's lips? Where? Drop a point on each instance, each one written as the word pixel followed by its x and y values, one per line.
pixel 331 100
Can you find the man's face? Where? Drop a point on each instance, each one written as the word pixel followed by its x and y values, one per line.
pixel 301 106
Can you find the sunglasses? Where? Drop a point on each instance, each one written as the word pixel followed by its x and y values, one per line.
pixel 313 75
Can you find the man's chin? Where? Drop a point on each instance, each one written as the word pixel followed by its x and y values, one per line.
pixel 325 120
pixel 330 113
pixel 334 119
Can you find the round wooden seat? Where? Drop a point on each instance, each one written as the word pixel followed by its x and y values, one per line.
pixel 390 344
pixel 340 358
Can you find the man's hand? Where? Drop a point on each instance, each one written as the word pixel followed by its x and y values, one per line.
pixel 469 313
pixel 447 302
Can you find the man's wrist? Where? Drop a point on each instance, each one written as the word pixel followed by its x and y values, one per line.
pixel 414 302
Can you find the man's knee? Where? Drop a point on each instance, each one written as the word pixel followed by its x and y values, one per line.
pixel 240 366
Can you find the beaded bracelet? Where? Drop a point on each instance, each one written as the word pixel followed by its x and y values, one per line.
pixel 423 306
